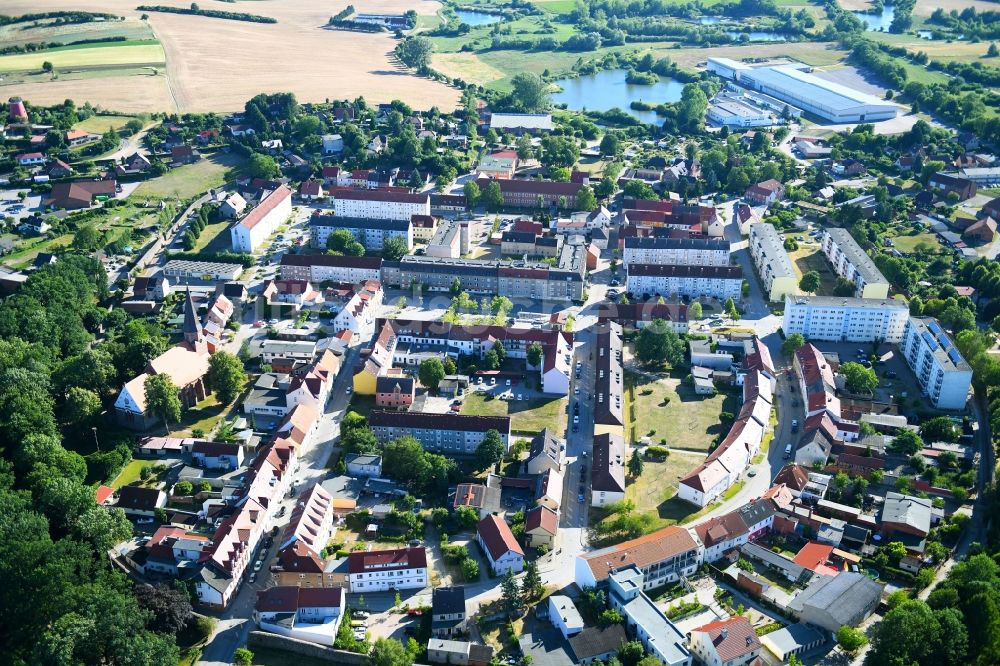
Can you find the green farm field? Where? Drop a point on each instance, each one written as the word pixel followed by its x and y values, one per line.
pixel 145 52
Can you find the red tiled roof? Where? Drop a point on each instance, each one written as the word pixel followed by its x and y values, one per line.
pixel 642 552
pixel 497 536
pixel 270 202
pixel 813 556
pixel 541 517
pixel 103 493
pixel 387 560
pixel 732 638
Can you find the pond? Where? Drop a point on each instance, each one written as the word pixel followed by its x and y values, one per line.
pixel 756 35
pixel 472 19
pixel 877 22
pixel 606 90
pixel 709 20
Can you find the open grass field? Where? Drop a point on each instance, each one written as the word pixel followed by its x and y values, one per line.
pixel 468 67
pixel 99 124
pixel 927 7
pixel 128 90
pixel 666 408
pixel 940 50
pixel 819 54
pixel 526 416
pixel 147 52
pixel 658 484
pixel 809 257
pixel 555 6
pixel 191 179
pixel 130 473
pixel 297 54
pixel 908 244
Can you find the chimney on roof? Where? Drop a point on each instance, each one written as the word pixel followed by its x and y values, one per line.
pixel 724 634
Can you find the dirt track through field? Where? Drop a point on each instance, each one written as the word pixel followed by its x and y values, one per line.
pixel 217 65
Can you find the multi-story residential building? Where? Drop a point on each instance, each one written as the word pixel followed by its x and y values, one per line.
pixel 842 319
pixel 607 476
pixel 448 615
pixel 443 433
pixel 358 315
pixel 312 520
pixel 499 545
pixel 384 570
pixel 450 240
pixel 249 234
pixel 424 227
pixel 380 204
pixel 726 464
pixel 674 280
pixel 528 193
pixel 731 642
pixel 414 339
pixel 643 619
pixel 852 263
pixel 369 231
pixel 943 374
pixel 236 539
pixel 640 315
pixel 319 268
pixel 513 279
pixel 680 251
pixel 395 391
pixel 662 557
pixel 307 614
pixel 722 534
pixel 816 382
pixel 773 265
pixel 609 382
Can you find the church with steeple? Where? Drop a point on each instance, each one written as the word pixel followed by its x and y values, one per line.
pixel 185 363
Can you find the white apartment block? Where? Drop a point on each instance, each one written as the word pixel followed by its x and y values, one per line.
pixel 319 268
pixel 381 204
pixel 383 570
pixel 852 263
pixel 370 232
pixel 720 282
pixel 842 319
pixel 679 251
pixel 249 234
pixel 767 248
pixel 943 374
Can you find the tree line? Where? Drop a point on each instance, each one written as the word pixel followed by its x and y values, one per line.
pixel 195 10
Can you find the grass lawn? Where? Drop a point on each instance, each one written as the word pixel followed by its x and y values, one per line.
pixel 130 473
pixel 214 237
pixel 204 416
pixel 809 257
pixel 687 421
pixel 99 124
pixel 908 244
pixel 527 416
pixel 658 484
pixel 145 52
pixel 190 180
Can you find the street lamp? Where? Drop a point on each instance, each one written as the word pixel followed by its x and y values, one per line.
pixel 94 430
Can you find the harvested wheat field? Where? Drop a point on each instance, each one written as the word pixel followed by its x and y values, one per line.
pixel 217 64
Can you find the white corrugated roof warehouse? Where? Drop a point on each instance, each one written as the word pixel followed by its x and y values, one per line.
pixel 823 98
pixel 826 99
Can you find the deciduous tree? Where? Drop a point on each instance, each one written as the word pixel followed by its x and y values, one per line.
pixel 226 376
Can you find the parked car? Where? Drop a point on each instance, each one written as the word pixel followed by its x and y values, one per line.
pixel 795 425
pixel 253 577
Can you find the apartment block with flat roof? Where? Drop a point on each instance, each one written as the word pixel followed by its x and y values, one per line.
pixel 843 319
pixel 775 269
pixel 851 262
pixel 943 374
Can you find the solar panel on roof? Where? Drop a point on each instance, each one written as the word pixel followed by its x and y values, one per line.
pixel 929 339
pixel 945 343
pixel 934 328
pixel 955 357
